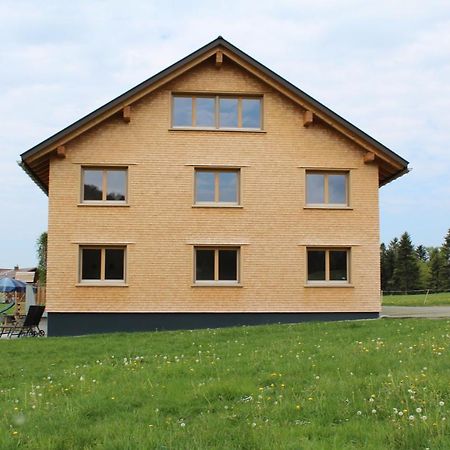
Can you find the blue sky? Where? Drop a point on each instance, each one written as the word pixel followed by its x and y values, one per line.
pixel 383 66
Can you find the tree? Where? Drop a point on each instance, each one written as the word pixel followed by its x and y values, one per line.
pixel 41 251
pixel 422 253
pixel 388 261
pixel 406 271
pixel 436 270
pixel 445 253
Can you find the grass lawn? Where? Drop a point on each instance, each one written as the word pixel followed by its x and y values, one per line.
pixel 442 298
pixel 380 384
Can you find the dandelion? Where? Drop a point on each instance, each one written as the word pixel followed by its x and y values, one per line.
pixel 418 410
pixel 182 424
pixel 371 400
pixel 441 403
pixel 424 418
pixel 297 407
pixel 411 417
pixel 400 413
pixel 374 411
pixel 253 425
pixel 358 413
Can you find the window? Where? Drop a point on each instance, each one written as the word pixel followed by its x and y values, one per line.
pixel 327 189
pixel 216 265
pixel 102 264
pixel 104 185
pixel 217 112
pixel 328 265
pixel 220 187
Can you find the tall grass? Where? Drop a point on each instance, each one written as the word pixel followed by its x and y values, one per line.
pixel 350 385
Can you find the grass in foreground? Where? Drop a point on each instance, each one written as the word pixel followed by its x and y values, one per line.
pixel 442 298
pixel 351 385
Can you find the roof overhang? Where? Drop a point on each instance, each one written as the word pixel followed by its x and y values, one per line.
pixel 36 160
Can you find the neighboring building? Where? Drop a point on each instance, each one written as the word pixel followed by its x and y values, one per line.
pixel 25 274
pixel 214 193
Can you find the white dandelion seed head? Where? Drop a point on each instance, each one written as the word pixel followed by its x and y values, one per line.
pixel 400 413
pixel 374 411
pixel 418 410
pixel 441 403
pixel 358 413
pixel 411 417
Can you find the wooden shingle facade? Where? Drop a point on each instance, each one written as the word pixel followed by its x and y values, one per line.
pixel 214 193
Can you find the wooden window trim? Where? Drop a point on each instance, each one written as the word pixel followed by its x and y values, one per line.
pixel 217 98
pixel 216 281
pixel 104 201
pixel 102 281
pixel 326 204
pixel 327 281
pixel 216 203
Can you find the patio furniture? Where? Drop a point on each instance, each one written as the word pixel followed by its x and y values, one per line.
pixel 25 326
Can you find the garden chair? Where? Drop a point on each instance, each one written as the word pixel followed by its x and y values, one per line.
pixel 27 325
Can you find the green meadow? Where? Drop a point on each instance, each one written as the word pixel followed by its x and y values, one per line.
pixel 441 298
pixel 381 384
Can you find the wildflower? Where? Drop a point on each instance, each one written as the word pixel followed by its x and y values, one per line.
pixel 424 417
pixel 441 403
pixel 253 424
pixel 400 413
pixel 411 417
pixel 182 424
pixel 374 411
pixel 418 410
pixel 358 413
pixel 297 407
pixel 371 400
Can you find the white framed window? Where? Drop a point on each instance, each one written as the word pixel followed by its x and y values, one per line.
pixel 217 112
pixel 104 185
pixel 218 187
pixel 102 264
pixel 328 265
pixel 216 265
pixel 327 188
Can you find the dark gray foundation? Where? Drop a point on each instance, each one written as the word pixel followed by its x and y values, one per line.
pixel 76 324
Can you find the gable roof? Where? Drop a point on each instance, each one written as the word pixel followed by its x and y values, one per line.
pixel 35 161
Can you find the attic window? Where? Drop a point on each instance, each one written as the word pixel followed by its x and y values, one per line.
pixel 224 112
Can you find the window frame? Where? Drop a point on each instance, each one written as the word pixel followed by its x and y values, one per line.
pixel 104 170
pixel 102 280
pixel 216 281
pixel 216 98
pixel 326 173
pixel 327 281
pixel 217 202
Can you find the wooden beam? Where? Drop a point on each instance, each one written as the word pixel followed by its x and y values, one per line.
pixel 61 152
pixel 126 114
pixel 219 59
pixel 308 117
pixel 369 157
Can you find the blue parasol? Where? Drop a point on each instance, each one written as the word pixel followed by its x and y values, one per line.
pixel 11 285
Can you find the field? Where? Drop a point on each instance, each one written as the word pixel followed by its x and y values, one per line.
pixel 442 298
pixel 351 385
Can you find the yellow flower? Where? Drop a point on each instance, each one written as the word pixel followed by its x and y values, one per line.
pixel 297 407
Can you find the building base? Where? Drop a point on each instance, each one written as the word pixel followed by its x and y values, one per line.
pixel 76 324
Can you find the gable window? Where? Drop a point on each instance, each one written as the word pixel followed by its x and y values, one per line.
pixel 216 265
pixel 104 185
pixel 328 265
pixel 327 188
pixel 217 187
pixel 103 263
pixel 217 112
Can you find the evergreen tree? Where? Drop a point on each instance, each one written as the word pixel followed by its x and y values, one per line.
pixel 384 272
pixel 388 265
pixel 445 253
pixel 422 253
pixel 436 272
pixel 406 270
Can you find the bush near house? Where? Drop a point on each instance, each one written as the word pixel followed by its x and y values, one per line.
pixel 348 385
